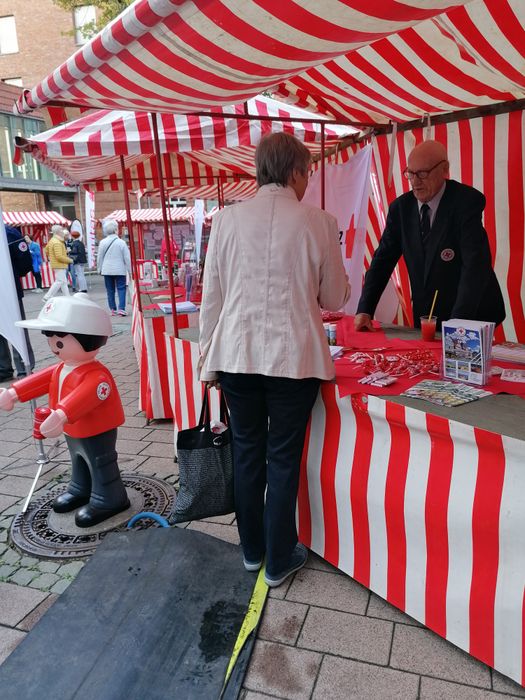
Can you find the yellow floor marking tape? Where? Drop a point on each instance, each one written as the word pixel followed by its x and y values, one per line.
pixel 250 622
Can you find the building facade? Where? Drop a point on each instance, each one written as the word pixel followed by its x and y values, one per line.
pixel 36 37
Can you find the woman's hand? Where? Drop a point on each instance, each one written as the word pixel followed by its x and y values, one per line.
pixel 214 384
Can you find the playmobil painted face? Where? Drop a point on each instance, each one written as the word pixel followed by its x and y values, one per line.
pixel 68 349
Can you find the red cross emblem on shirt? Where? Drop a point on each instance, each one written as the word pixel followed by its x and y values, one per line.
pixel 103 390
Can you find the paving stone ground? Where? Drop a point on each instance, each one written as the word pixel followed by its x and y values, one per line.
pixel 323 636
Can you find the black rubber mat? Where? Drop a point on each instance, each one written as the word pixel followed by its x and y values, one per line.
pixel 153 615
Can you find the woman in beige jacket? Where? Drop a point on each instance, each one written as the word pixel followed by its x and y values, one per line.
pixel 59 260
pixel 271 263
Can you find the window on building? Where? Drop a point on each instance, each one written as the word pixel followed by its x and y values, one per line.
pixel 29 169
pixel 8 38
pixel 13 81
pixel 84 18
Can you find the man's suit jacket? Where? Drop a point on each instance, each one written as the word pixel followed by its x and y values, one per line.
pixel 457 260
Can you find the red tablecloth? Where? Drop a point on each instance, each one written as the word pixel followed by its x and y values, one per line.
pixel 348 373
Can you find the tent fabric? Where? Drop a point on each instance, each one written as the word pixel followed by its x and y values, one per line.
pixel 468 57
pixel 34 218
pixel 186 56
pixel 143 216
pixel 489 154
pixel 89 149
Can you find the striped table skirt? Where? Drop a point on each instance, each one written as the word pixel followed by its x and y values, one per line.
pixel 426 512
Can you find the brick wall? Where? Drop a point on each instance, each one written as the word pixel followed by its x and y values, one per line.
pixel 43 41
pixel 21 201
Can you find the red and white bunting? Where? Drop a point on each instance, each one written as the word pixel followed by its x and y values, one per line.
pixel 426 512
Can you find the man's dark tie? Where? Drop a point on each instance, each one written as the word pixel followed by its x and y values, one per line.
pixel 425 224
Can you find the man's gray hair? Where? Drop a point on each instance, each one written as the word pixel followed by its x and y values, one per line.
pixel 277 156
pixel 109 227
pixel 58 230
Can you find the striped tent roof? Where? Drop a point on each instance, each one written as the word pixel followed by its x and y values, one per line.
pixel 34 218
pixel 143 216
pixel 186 55
pixel 89 148
pixel 154 216
pixel 468 57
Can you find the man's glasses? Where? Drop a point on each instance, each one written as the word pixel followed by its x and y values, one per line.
pixel 420 174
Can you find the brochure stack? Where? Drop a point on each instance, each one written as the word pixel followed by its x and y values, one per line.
pixel 467 347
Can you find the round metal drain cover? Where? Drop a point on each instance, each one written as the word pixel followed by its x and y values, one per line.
pixel 43 533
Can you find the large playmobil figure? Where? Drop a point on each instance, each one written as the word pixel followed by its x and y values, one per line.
pixel 85 405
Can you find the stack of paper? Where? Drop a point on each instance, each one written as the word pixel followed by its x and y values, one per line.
pixel 509 352
pixel 444 393
pixel 467 349
pixel 183 307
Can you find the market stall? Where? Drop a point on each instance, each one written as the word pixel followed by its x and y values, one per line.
pixel 148 328
pixel 423 509
pixel 424 505
pixel 36 224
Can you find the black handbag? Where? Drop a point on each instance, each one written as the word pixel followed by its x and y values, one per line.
pixel 205 469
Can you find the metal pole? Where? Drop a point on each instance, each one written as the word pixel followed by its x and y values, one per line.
pixel 134 265
pixel 322 167
pixel 165 222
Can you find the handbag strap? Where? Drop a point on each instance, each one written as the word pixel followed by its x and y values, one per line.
pixel 204 419
pixel 224 412
pixel 205 415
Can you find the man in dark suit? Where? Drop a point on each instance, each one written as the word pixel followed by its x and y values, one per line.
pixel 438 229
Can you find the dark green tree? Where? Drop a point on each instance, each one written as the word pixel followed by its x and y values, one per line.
pixel 106 11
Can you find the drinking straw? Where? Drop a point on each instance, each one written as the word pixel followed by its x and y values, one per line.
pixel 433 304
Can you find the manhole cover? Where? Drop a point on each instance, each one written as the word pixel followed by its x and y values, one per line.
pixel 43 533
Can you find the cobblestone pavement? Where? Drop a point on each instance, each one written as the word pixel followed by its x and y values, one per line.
pixel 323 636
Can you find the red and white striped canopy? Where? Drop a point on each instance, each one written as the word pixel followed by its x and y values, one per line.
pixel 34 218
pixel 144 216
pixel 190 55
pixel 89 148
pixel 468 57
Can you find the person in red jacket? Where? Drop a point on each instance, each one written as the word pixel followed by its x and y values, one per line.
pixel 164 252
pixel 84 402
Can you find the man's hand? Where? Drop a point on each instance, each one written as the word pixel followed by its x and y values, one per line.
pixel 53 426
pixel 214 384
pixel 363 322
pixel 8 398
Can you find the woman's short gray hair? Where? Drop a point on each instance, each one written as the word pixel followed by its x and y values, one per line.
pixel 109 227
pixel 277 156
pixel 57 230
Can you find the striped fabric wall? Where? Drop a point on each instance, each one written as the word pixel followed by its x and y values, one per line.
pixel 427 513
pixel 489 154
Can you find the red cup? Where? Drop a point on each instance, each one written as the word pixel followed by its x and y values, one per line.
pixel 428 327
pixel 41 413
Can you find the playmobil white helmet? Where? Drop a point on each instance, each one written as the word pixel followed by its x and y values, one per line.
pixel 71 314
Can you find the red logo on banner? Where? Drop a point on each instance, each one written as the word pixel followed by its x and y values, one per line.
pixel 350 238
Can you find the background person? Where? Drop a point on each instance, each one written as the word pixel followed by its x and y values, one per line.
pixel 114 262
pixel 36 256
pixel 55 251
pixel 68 240
pixel 437 227
pixel 271 262
pixel 79 257
pixel 21 264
